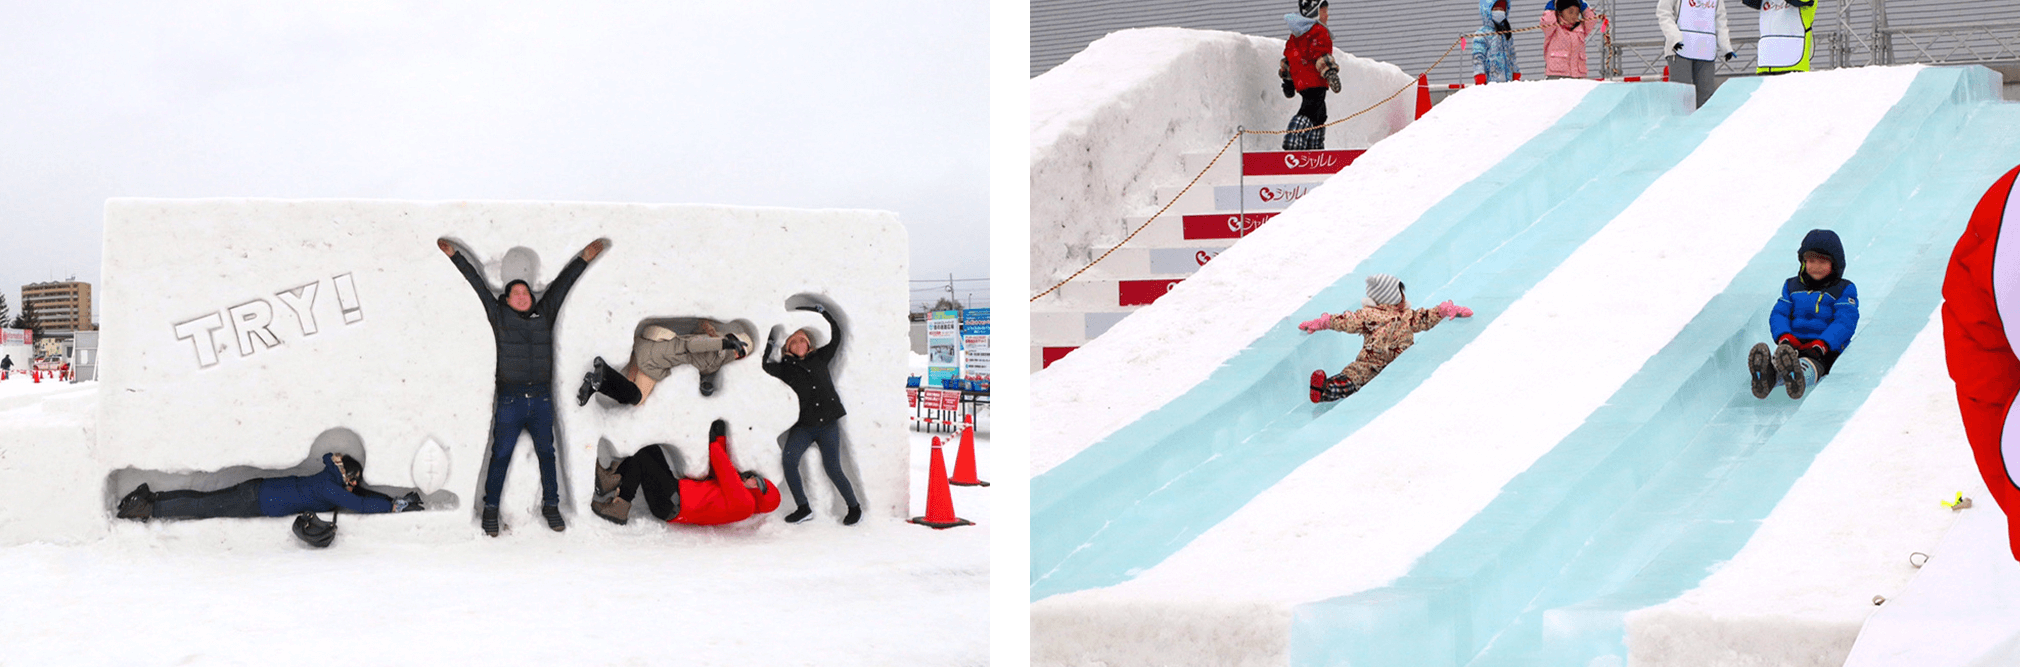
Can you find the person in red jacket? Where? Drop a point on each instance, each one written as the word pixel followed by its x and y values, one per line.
pixel 1308 71
pixel 725 496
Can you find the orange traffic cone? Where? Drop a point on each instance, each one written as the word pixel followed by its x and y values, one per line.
pixel 1423 94
pixel 1665 72
pixel 964 460
pixel 940 498
pixel 38 376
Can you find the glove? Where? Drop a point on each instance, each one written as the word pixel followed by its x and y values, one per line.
pixel 734 344
pixel 408 503
pixel 818 308
pixel 1289 91
pixel 1449 310
pixel 1316 324
pixel 1678 48
pixel 1479 79
pixel 1331 70
pixel 771 343
pixel 1518 76
pixel 1728 56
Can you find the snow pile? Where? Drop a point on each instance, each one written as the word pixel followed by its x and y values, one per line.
pixel 1180 339
pixel 339 324
pixel 1109 126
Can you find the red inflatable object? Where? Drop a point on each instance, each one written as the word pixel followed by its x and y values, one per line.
pixel 1981 317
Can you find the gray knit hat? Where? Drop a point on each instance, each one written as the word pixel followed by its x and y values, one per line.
pixel 1385 289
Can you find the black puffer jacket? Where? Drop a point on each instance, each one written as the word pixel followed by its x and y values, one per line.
pixel 525 340
pixel 809 378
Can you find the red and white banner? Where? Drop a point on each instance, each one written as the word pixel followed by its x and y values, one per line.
pixel 1297 163
pixel 17 337
pixel 1224 225
pixel 1142 292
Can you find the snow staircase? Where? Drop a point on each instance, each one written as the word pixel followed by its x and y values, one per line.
pixel 1226 205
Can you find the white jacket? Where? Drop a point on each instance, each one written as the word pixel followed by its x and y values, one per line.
pixel 1665 15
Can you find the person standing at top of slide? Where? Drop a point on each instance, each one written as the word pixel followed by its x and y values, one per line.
pixel 1308 70
pixel 524 330
pixel 1493 46
pixel 1696 35
pixel 1785 40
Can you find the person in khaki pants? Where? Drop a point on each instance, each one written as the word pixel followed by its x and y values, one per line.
pixel 655 351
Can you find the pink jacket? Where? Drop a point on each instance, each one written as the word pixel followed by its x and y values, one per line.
pixel 1564 50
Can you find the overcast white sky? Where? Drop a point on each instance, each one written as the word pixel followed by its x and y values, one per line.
pixel 802 104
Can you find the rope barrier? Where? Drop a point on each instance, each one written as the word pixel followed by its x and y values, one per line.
pixel 1241 132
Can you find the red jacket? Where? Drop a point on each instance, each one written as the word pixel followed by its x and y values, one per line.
pixel 1303 52
pixel 722 498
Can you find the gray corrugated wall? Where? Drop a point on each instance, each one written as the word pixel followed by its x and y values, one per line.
pixel 1412 34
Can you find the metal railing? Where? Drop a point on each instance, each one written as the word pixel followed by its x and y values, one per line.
pixel 1843 46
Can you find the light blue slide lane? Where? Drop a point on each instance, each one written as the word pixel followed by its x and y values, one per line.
pixel 1673 475
pixel 1133 499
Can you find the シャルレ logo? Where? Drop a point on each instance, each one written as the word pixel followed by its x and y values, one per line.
pixel 1319 161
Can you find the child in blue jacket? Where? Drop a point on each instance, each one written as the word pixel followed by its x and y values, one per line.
pixel 1811 324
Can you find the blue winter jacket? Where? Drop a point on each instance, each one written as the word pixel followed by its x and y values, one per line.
pixel 1825 310
pixel 1493 55
pixel 321 492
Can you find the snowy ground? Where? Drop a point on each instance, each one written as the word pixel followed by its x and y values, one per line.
pixel 242 591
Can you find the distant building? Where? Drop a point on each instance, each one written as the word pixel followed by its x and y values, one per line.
pixel 63 307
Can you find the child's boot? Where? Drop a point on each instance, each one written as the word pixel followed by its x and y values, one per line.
pixel 1334 388
pixel 1804 377
pixel 1786 367
pixel 616 510
pixel 1760 366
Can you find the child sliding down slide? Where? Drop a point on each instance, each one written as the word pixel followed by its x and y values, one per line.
pixel 1389 326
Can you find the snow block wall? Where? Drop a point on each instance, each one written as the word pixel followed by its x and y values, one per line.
pixel 252 334
pixel 1109 126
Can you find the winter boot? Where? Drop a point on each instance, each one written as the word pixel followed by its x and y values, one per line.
pixel 855 514
pixel 801 514
pixel 1295 141
pixel 137 505
pixel 491 521
pixel 708 384
pixel 1802 378
pixel 1327 389
pixel 591 382
pixel 615 510
pixel 553 514
pixel 1787 368
pixel 607 479
pixel 1760 365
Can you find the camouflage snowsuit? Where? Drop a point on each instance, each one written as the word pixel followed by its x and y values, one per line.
pixel 1388 330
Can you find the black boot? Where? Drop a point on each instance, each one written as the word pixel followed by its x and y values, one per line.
pixel 1760 366
pixel 855 514
pixel 137 505
pixel 801 514
pixel 553 515
pixel 491 521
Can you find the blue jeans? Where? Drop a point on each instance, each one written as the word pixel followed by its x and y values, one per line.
pixel 517 411
pixel 829 437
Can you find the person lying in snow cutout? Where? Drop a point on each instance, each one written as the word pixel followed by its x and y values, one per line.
pixel 725 496
pixel 1389 326
pixel 655 351
pixel 1811 324
pixel 336 486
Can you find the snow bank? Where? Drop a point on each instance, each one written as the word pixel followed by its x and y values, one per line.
pixel 1108 126
pixel 252 334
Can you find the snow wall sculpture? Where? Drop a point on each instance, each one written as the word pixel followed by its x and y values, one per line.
pixel 238 333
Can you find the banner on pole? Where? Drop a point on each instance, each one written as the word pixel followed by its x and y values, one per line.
pixel 943 346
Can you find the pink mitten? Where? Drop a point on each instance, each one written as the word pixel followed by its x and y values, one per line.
pixel 1450 310
pixel 1316 324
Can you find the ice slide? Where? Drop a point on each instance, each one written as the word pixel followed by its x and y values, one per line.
pixel 1632 450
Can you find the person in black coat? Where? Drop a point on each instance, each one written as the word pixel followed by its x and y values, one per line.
pixel 336 486
pixel 805 369
pixel 524 328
